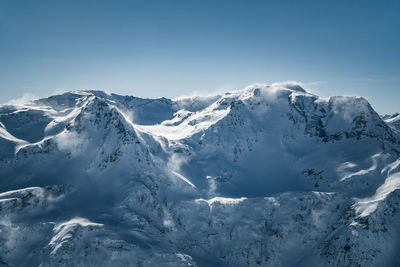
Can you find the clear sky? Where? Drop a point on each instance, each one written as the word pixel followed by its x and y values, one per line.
pixel 172 48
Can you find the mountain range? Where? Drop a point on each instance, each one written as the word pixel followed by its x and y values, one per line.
pixel 271 175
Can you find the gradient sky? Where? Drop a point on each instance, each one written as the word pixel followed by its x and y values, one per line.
pixel 173 48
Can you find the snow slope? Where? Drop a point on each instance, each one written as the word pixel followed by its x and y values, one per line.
pixel 393 121
pixel 264 176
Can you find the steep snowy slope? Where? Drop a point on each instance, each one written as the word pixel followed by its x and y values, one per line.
pixel 393 121
pixel 264 176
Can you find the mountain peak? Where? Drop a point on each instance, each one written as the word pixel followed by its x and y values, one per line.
pixel 258 89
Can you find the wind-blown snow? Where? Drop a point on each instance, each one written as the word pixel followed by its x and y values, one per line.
pixel 223 200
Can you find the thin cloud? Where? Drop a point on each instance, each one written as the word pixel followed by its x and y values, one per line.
pixel 24 99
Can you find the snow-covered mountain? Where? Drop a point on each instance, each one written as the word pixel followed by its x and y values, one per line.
pixel 393 121
pixel 265 176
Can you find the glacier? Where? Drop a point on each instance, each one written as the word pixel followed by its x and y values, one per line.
pixel 270 175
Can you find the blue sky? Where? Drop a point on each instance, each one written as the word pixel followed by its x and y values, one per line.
pixel 172 48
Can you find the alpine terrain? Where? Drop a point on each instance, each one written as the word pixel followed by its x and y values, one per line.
pixel 265 176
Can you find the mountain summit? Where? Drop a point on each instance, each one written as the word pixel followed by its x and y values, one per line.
pixel 270 175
